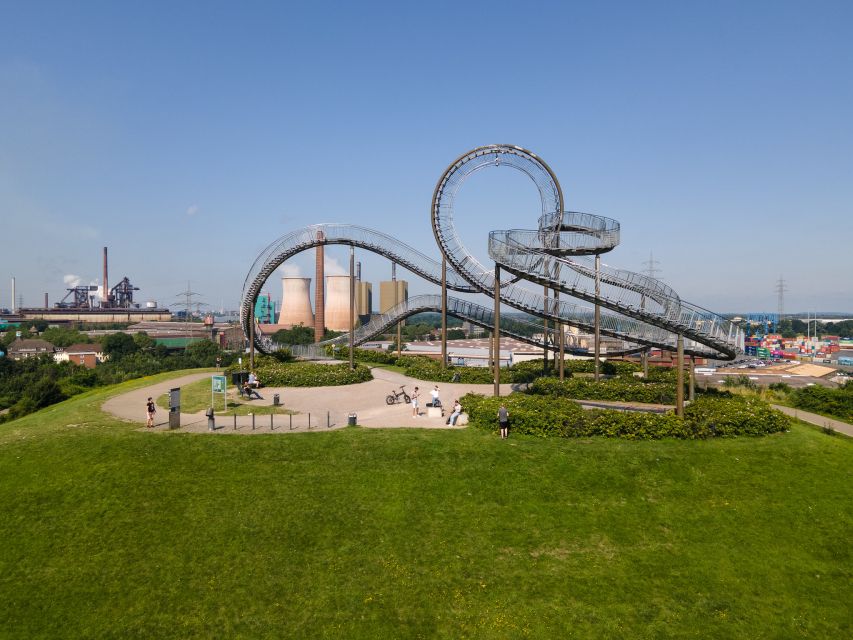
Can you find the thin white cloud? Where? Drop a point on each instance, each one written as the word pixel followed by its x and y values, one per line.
pixel 193 209
pixel 291 271
pixel 334 268
pixel 71 280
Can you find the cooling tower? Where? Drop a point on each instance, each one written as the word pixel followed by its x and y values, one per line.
pixel 337 303
pixel 296 302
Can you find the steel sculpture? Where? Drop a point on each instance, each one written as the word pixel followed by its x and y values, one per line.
pixel 561 256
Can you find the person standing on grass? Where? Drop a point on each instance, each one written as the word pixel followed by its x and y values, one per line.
pixel 415 395
pixel 503 421
pixel 150 409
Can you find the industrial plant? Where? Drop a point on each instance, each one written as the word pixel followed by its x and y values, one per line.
pixel 97 304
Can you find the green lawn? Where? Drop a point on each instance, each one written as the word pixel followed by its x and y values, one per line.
pixel 106 531
pixel 196 397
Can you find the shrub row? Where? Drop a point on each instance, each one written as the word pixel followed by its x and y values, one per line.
pixel 831 402
pixel 707 417
pixel 310 374
pixel 616 389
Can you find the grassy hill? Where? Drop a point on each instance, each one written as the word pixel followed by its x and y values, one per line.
pixel 106 531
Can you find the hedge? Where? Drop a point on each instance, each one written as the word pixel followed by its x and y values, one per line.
pixel 832 402
pixel 616 389
pixel 310 374
pixel 561 417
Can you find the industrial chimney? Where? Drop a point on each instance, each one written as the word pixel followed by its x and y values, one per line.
pixel 319 306
pixel 296 302
pixel 105 296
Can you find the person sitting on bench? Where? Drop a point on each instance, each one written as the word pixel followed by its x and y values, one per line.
pixel 253 381
pixel 248 392
pixel 457 411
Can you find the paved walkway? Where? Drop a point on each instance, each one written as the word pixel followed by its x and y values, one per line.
pixel 324 404
pixel 817 419
pixel 328 407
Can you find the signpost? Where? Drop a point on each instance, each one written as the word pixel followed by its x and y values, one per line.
pixel 219 384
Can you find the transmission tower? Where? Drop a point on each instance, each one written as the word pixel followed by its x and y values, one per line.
pixel 189 304
pixel 780 292
pixel 651 267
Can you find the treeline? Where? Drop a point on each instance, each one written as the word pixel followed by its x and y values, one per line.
pixel 33 383
pixel 793 327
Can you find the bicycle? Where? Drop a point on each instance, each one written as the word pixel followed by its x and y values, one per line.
pixel 394 396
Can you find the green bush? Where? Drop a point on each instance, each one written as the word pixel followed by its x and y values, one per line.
pixel 710 416
pixel 740 381
pixel 309 374
pixel 616 389
pixel 717 416
pixel 362 355
pixel 832 402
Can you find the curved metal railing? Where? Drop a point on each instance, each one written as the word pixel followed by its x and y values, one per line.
pixel 639 310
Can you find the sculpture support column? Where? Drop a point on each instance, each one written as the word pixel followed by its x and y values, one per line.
pixel 443 312
pixel 597 317
pixel 497 330
pixel 679 384
pixel 351 307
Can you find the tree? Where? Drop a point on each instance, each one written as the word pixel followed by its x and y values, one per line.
pixel 203 353
pixel 118 345
pixel 296 335
pixel 62 337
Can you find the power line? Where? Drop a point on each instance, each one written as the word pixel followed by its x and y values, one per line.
pixel 651 267
pixel 781 288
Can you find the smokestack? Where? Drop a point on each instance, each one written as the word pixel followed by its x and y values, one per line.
pixel 14 296
pixel 106 292
pixel 393 271
pixel 319 280
pixel 45 299
pixel 296 302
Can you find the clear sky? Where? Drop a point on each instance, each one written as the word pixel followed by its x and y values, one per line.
pixel 187 136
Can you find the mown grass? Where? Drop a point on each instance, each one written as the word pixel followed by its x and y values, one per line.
pixel 107 531
pixel 196 397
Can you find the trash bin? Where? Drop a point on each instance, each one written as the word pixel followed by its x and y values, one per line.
pixel 275 400
pixel 351 419
pixel 211 420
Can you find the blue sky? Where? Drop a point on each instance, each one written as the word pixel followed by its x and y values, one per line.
pixel 188 136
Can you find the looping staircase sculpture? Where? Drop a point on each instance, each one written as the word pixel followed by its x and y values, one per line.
pixel 641 311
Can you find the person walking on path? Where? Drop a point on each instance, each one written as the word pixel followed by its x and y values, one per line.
pixel 503 421
pixel 150 409
pixel 415 395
